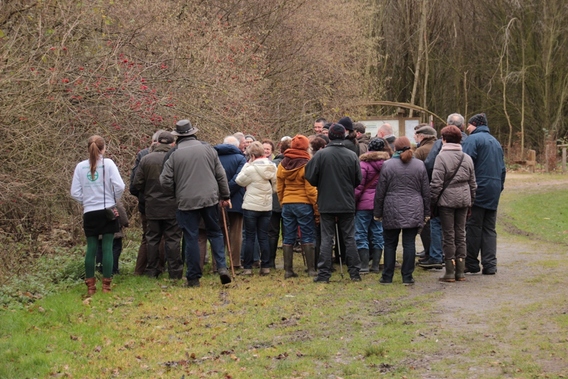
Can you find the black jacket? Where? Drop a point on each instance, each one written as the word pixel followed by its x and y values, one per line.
pixel 335 171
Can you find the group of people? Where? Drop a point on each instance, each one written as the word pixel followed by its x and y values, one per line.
pixel 336 190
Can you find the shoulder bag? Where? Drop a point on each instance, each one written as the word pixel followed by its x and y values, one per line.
pixel 434 211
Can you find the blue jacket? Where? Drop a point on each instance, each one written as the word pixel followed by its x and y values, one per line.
pixel 487 156
pixel 232 160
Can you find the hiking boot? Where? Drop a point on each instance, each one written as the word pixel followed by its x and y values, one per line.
pixel 356 278
pixel 489 271
pixel 192 283
pixel 431 264
pixel 319 279
pixel 408 282
pixel 264 271
pixel 106 284
pixel 224 276
pixel 385 281
pixel 246 272
pixel 425 258
pixel 472 270
pixel 421 254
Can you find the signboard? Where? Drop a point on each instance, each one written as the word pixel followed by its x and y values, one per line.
pixel 400 126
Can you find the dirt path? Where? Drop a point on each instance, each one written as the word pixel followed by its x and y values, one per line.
pixel 502 311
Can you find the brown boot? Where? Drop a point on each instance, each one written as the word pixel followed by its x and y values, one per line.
pixel 106 284
pixel 91 286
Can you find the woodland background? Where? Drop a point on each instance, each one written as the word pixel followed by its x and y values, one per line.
pixel 123 69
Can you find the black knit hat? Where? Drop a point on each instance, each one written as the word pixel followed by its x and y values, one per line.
pixel 377 144
pixel 347 123
pixel 478 120
pixel 336 131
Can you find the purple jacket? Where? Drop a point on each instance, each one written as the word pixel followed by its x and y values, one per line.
pixel 371 163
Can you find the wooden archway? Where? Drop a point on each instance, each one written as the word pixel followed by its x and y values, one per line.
pixel 401 105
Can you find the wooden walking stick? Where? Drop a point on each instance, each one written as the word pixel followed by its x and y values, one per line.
pixel 224 216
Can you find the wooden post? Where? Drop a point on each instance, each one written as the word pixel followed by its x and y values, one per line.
pixel 531 161
pixel 563 157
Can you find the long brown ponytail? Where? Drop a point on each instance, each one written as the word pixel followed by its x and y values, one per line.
pixel 95 144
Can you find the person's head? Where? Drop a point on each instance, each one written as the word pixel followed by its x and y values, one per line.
pixel 347 123
pixel 300 142
pixel 184 129
pixel 336 132
pixel 317 144
pixel 476 121
pixel 379 144
pixel 385 130
pixel 451 134
pixel 325 131
pixel 425 132
pixel 96 148
pixel 457 120
pixel 318 125
pixel 232 140
pixel 255 150
pixel 402 146
pixel 248 140
pixel 166 138
pixel 359 128
pixel 241 137
pixel 268 146
pixel 156 135
pixel 285 143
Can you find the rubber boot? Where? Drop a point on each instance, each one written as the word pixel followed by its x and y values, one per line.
pixel 310 253
pixel 364 256
pixel 288 251
pixel 460 269
pixel 91 286
pixel 272 246
pixel 450 275
pixel 376 257
pixel 106 284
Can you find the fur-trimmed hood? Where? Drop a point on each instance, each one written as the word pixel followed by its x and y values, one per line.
pixel 371 156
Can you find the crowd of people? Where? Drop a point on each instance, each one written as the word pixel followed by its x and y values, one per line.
pixel 336 196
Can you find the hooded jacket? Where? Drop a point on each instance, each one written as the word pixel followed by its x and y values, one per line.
pixel 490 171
pixel 292 184
pixel 259 178
pixel 371 163
pixel 402 198
pixel 460 192
pixel 233 161
pixel 195 174
pixel 159 204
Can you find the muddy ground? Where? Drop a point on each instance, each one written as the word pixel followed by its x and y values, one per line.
pixel 506 318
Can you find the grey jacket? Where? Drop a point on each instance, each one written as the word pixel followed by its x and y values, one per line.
pixel 460 193
pixel 402 197
pixel 195 174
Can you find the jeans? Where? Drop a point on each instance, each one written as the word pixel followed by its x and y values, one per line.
pixel 408 253
pixel 188 221
pixel 366 227
pixel 435 239
pixel 345 224
pixel 302 215
pixel 481 235
pixel 256 225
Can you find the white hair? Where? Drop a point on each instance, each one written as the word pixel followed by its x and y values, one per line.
pixel 232 140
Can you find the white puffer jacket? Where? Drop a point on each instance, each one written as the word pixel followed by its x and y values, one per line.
pixel 259 178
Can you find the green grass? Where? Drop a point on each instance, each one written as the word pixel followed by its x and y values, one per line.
pixel 268 327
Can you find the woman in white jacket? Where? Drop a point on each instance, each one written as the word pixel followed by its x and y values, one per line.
pixel 97 185
pixel 258 175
